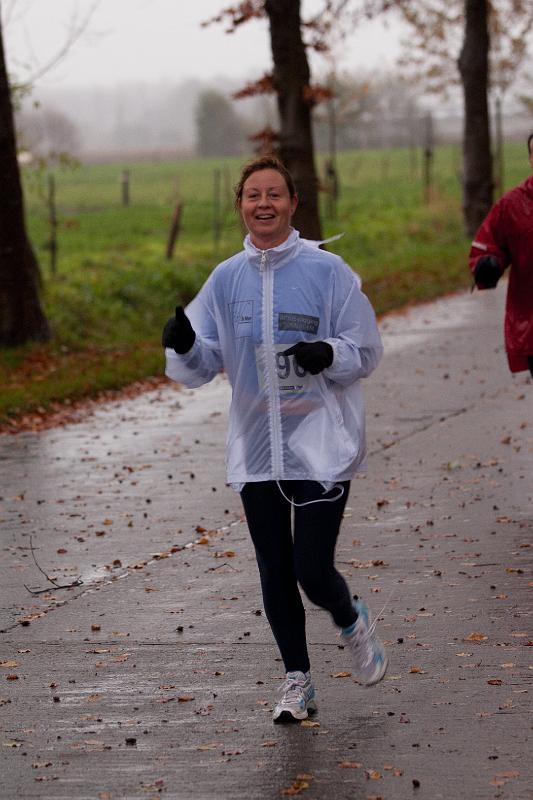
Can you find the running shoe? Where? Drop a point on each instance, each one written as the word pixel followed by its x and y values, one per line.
pixel 298 698
pixel 368 654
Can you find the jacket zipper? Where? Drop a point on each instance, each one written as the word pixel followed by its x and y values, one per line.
pixel 268 288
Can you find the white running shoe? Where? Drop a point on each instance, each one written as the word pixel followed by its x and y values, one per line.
pixel 368 654
pixel 298 699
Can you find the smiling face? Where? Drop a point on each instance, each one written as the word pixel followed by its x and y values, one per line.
pixel 267 207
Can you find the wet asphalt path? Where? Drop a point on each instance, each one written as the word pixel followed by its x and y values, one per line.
pixel 156 676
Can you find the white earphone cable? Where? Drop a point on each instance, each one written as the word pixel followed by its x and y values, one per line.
pixel 319 500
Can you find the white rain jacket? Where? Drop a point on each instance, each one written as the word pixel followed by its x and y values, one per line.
pixel 284 424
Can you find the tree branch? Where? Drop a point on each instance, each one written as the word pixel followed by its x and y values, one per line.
pixel 77 582
pixel 74 34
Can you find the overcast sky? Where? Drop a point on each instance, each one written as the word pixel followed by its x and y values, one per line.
pixel 156 40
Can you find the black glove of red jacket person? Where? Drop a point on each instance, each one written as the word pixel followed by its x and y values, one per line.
pixel 487 272
pixel 311 356
pixel 178 333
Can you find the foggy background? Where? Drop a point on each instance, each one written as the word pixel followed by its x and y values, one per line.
pixel 144 79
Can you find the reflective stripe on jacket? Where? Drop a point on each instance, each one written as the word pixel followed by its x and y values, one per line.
pixel 284 423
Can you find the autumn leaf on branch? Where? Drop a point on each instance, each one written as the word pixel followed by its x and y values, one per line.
pixel 317 93
pixel 264 85
pixel 266 136
pixel 237 14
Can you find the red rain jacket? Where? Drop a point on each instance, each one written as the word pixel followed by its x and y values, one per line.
pixel 507 233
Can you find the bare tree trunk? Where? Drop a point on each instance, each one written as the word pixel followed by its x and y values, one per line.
pixel 21 316
pixel 291 77
pixel 477 161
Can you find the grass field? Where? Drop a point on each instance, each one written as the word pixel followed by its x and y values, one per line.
pixel 114 288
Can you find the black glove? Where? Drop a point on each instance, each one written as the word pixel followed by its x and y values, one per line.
pixel 178 333
pixel 311 356
pixel 487 272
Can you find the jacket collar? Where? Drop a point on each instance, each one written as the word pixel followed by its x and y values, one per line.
pixel 275 256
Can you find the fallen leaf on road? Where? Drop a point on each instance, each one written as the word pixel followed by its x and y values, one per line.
pixel 372 774
pixel 158 785
pixel 185 698
pixel 12 677
pixel 203 711
pixel 501 778
pixel 350 764
pixel 417 670
pixel 495 682
pixel 475 637
pixel 296 788
pixel 9 664
pixel 341 674
pixel 308 723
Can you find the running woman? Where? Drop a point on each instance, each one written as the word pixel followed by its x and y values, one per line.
pixel 289 325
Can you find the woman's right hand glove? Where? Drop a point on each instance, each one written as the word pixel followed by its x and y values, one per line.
pixel 487 272
pixel 178 333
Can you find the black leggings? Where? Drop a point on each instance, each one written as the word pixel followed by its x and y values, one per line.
pixel 306 558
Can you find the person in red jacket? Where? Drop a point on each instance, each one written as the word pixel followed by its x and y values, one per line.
pixel 506 238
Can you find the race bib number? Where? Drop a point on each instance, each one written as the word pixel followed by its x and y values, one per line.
pixel 292 379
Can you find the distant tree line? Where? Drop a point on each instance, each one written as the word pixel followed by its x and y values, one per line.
pixel 383 111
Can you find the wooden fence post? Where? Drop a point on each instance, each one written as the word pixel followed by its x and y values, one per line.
pixel 428 158
pixel 228 193
pixel 52 221
pixel 217 226
pixel 125 185
pixel 413 151
pixel 175 224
